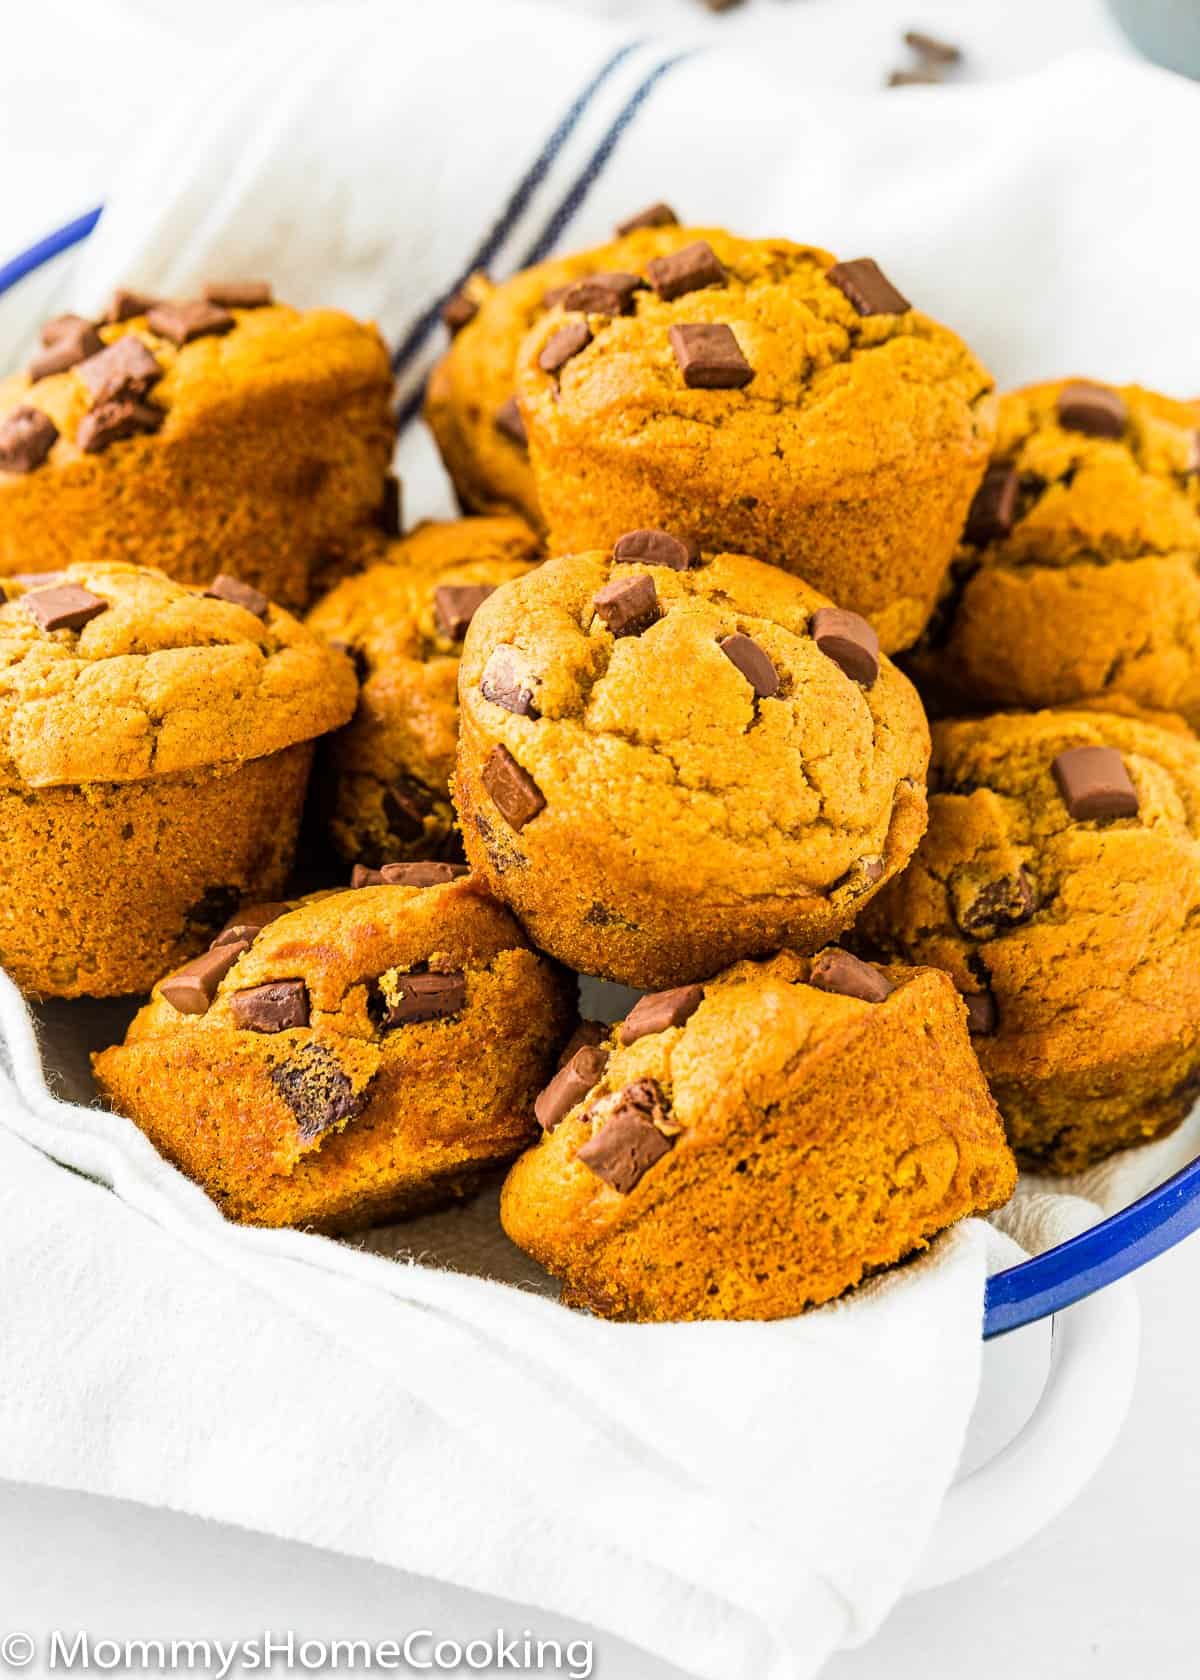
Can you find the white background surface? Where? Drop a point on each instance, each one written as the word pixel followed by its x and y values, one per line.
pixel 1108 1590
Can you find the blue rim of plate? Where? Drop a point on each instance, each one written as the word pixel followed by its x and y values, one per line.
pixel 1036 1288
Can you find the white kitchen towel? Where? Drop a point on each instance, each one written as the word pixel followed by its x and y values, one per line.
pixel 738 1498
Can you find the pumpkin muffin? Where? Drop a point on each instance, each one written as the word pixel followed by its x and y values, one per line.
pixel 1059 886
pixel 349 1058
pixel 221 434
pixel 155 743
pixel 755 396
pixel 383 781
pixel 1078 571
pixel 669 760
pixel 759 1144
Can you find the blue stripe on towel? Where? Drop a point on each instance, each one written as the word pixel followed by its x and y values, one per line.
pixel 514 209
pixel 595 165
pixel 568 207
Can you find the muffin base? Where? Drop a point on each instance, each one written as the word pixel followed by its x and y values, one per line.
pixel 882 553
pixel 282 488
pixel 601 919
pixel 110 884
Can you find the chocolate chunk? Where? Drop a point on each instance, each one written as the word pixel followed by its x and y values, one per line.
pixel 837 971
pixel 568 341
pixel 654 215
pixel 508 421
pixel 514 792
pixel 125 305
pixel 849 641
pixel 629 1142
pixel 569 1086
pixel 457 311
pixel 74 342
pixel 994 509
pixel 64 607
pixel 604 294
pixel 455 605
pixel 627 606
pixel 420 874
pixel 238 294
pixel 238 594
pixel 123 369
pixel 425 997
pixel 110 422
pixel 1094 410
pixel 745 653
pixel 507 681
pixel 981 1013
pixel 271 1008
pixel 391 509
pixel 26 438
pixel 709 357
pixel 249 922
pixel 192 988
pixel 587 1032
pixel 656 548
pixel 867 287
pixel 657 1011
pixel 57 325
pixel 406 804
pixel 928 46
pixel 317 1090
pixel 1004 902
pixel 193 318
pixel 913 78
pixel 1095 784
pixel 686 271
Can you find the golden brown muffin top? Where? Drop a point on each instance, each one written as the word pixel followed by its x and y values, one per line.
pixel 330 990
pixel 114 673
pixel 780 780
pixel 1097 495
pixel 1063 922
pixel 671 1074
pixel 263 347
pixel 409 604
pixel 840 380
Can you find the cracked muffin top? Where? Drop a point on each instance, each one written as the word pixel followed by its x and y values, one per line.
pixel 1059 885
pixel 1077 572
pixel 335 1060
pixel 756 348
pixel 704 713
pixel 114 673
pixel 1086 470
pixel 177 365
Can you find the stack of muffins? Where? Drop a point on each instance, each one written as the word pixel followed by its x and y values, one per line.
pixel 633 716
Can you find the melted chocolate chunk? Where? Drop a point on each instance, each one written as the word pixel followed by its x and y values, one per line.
pixel 317 1090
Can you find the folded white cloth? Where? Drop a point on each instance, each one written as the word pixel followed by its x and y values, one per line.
pixel 738 1498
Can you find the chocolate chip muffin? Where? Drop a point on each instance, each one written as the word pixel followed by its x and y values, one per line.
pixel 759 1144
pixel 383 781
pixel 1078 571
pixel 349 1058
pixel 671 760
pixel 155 743
pixel 756 396
pixel 224 433
pixel 1059 886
